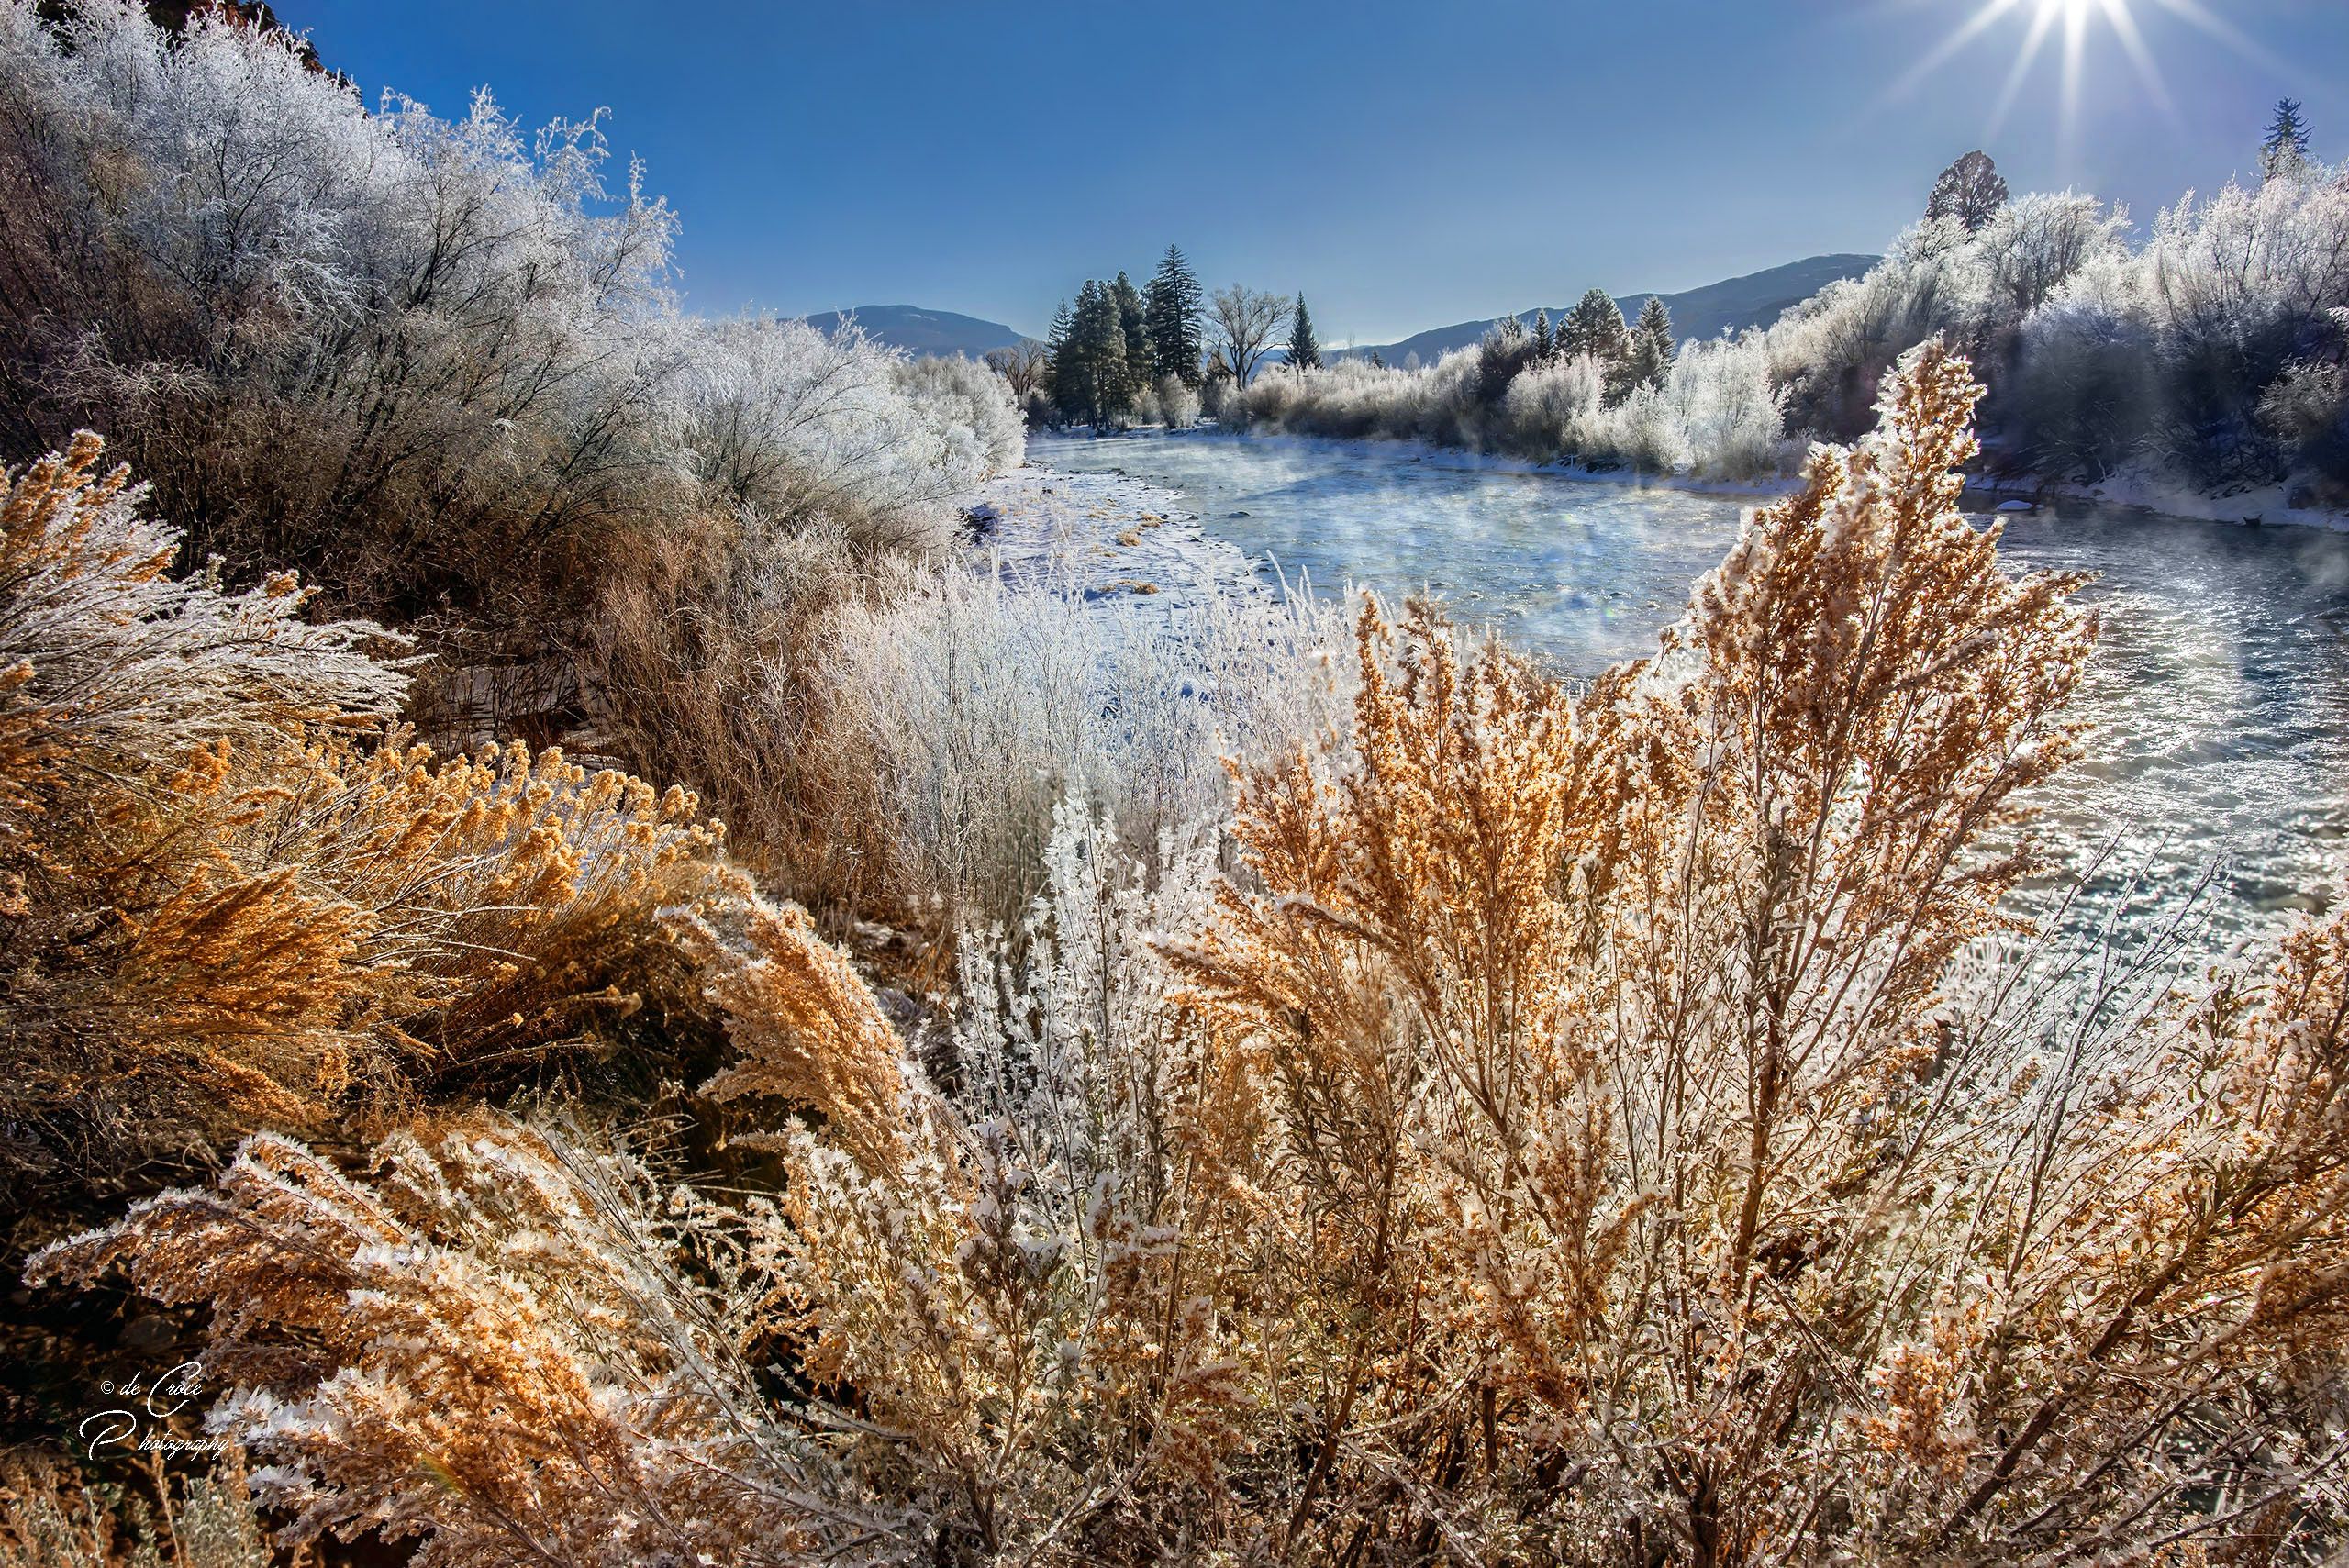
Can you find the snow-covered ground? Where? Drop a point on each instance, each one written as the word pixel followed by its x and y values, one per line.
pixel 1102 535
pixel 2267 505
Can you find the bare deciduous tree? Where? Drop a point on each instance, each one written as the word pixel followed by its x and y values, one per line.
pixel 1022 366
pixel 1246 322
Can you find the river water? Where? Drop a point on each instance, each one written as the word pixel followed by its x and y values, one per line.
pixel 2220 693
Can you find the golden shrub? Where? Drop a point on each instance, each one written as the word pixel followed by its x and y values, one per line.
pixel 234 895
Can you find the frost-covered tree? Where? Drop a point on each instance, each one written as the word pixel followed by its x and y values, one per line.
pixel 1060 369
pixel 1544 345
pixel 1594 329
pixel 2284 152
pixel 1506 350
pixel 1651 345
pixel 1303 350
pixel 2031 247
pixel 1174 306
pixel 1967 192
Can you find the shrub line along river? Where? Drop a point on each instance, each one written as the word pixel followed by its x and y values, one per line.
pixel 2220 693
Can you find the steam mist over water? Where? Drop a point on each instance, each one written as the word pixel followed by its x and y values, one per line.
pixel 2219 691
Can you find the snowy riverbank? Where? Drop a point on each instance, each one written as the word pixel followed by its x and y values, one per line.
pixel 1101 535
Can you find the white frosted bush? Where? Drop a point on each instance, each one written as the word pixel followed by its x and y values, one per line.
pixel 977 705
pixel 2035 246
pixel 1730 416
pixel 1551 408
pixel 974 410
pixel 1178 405
pixel 415 315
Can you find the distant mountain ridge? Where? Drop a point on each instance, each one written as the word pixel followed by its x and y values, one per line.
pixel 921 331
pixel 1732 305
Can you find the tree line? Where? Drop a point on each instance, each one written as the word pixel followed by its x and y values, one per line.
pixel 1629 355
pixel 1159 353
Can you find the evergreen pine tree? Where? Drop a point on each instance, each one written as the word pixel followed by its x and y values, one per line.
pixel 1507 349
pixel 1651 345
pixel 1141 369
pixel 1097 350
pixel 1303 350
pixel 1058 369
pixel 1172 310
pixel 1544 346
pixel 1377 360
pixel 2286 149
pixel 1595 327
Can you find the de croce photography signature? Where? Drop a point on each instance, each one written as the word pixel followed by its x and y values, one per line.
pixel 148 1413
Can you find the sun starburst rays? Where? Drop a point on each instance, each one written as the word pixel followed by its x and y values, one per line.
pixel 2070 30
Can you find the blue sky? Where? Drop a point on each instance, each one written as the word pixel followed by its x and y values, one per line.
pixel 1404 165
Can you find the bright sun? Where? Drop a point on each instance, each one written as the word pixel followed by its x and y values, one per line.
pixel 2072 25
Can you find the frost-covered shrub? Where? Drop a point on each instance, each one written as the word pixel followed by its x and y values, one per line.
pixel 972 410
pixel 828 432
pixel 232 896
pixel 1729 416
pixel 1554 409
pixel 1177 403
pixel 1647 431
pixel 331 339
pixel 434 363
pixel 1716 413
pixel 1352 399
pixel 957 717
pixel 52 1517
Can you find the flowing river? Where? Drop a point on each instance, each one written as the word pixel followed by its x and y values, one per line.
pixel 2220 693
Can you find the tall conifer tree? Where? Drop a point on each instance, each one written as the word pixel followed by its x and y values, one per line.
pixel 1172 308
pixel 2285 150
pixel 1097 352
pixel 1595 327
pixel 1131 325
pixel 1059 370
pixel 1651 345
pixel 1303 350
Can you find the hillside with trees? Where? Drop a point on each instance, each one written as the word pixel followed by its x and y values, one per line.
pixel 1757 299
